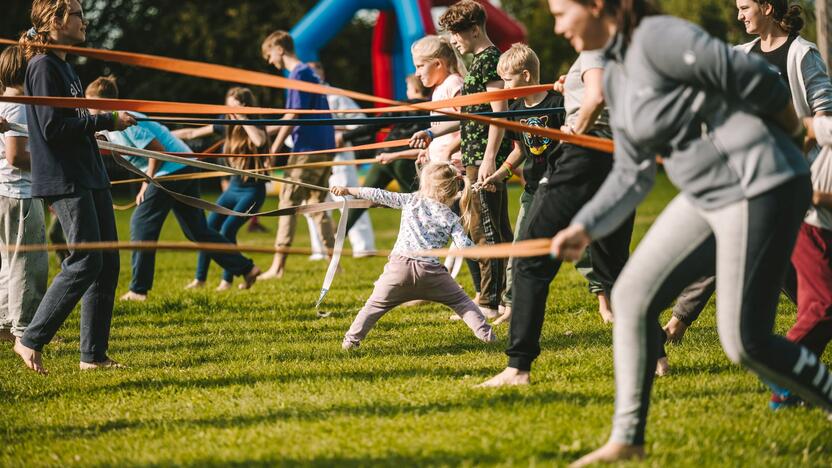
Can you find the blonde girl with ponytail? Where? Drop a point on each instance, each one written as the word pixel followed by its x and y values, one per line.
pixel 427 223
pixel 439 66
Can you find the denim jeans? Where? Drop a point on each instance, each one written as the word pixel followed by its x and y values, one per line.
pixel 87 276
pixel 238 197
pixel 147 221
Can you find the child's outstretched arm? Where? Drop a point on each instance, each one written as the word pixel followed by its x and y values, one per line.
pixel 381 197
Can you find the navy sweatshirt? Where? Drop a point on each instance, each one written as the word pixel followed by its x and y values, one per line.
pixel 62 144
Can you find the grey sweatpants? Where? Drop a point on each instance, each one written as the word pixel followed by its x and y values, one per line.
pixel 750 241
pixel 405 279
pixel 23 275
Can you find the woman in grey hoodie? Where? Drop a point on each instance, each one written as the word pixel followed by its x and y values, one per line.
pixel 724 123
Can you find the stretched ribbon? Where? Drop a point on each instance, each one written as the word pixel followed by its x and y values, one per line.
pixel 526 248
pixel 214 174
pixel 370 146
pixel 346 121
pixel 175 246
pixel 171 107
pixel 340 234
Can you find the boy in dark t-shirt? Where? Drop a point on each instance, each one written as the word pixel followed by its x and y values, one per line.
pixel 519 66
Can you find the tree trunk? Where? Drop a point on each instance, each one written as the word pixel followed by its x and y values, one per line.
pixel 823 13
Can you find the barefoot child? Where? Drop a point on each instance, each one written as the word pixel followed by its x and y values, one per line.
pixel 67 171
pixel 23 275
pixel 427 223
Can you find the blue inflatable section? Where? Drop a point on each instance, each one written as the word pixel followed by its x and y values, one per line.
pixel 328 17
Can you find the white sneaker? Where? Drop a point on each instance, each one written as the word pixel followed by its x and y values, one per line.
pixel 317 257
pixel 348 344
pixel 364 254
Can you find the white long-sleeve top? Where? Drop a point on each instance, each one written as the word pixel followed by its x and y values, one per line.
pixel 822 172
pixel 426 224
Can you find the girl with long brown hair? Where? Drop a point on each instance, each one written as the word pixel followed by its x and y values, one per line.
pixel 243 194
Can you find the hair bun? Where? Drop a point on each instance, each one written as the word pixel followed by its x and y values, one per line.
pixel 793 19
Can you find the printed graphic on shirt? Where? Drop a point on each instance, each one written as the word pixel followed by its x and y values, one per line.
pixel 474 135
pixel 536 144
pixel 77 91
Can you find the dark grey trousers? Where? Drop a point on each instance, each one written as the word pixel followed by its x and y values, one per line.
pixel 90 277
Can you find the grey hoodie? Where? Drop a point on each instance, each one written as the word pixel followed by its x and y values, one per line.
pixel 682 94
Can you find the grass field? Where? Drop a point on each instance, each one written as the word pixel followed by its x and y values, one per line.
pixel 254 378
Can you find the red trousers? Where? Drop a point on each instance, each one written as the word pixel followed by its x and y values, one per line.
pixel 812 259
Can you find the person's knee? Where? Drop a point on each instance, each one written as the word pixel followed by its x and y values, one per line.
pixel 630 298
pixel 86 265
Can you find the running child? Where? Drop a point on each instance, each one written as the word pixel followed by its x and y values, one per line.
pixel 427 223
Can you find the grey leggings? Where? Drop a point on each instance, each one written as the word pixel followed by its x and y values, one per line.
pixel 750 241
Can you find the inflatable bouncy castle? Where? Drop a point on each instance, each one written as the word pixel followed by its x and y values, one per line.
pixel 399 24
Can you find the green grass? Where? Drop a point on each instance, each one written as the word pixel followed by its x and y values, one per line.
pixel 254 378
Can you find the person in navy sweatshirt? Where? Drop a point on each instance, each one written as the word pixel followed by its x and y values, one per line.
pixel 68 173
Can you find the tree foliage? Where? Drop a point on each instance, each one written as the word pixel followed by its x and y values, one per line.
pixel 229 32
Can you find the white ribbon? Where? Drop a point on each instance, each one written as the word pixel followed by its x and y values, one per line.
pixel 340 234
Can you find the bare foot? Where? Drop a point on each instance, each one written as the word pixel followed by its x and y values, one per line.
pixel 604 308
pixel 105 364
pixel 250 278
pixel 134 296
pixel 509 376
pixel 271 273
pixel 505 315
pixel 195 284
pixel 223 286
pixel 489 312
pixel 675 330
pixel 6 335
pixel 662 367
pixel 611 452
pixel 31 358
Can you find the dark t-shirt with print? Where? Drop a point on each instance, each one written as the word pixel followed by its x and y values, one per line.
pixel 474 134
pixel 538 151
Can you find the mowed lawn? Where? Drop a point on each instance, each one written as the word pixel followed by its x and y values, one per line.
pixel 255 378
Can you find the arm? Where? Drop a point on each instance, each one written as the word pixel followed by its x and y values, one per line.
pixel 816 81
pixel 460 239
pixel 515 159
pixel 495 135
pixel 632 176
pixel 593 102
pixel 193 133
pixel 710 64
pixel 386 158
pixel 16 153
pixel 153 166
pixel 422 139
pixel 256 134
pixel 381 197
pixel 54 123
pixel 282 132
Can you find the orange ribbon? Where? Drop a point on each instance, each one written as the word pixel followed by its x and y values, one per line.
pixel 224 73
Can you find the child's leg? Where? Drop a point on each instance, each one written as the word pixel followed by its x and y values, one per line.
pixel 437 285
pixel 395 286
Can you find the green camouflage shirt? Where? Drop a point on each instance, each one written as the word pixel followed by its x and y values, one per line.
pixel 474 134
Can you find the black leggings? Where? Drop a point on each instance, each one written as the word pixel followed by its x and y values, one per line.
pixel 576 176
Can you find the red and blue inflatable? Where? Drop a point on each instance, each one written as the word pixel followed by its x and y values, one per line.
pixel 400 23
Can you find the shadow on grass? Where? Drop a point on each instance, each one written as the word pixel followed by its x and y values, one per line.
pixel 435 458
pixel 486 400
